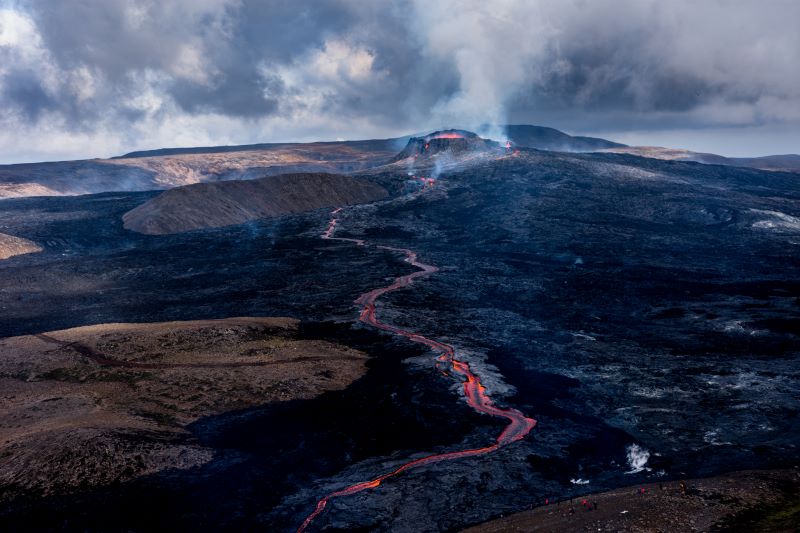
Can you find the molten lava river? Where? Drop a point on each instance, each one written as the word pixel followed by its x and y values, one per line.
pixel 474 392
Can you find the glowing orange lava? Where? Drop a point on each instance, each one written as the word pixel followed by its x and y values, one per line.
pixel 426 182
pixel 474 392
pixel 328 233
pixel 447 135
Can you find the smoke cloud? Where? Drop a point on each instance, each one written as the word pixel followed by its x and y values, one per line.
pixel 493 49
pixel 103 77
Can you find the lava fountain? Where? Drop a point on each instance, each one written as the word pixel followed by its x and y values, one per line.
pixel 473 390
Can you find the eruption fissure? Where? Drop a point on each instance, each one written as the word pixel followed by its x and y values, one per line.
pixel 447 363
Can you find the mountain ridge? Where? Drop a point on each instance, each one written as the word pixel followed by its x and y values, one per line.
pixel 167 168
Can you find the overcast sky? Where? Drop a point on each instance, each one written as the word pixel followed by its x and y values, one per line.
pixel 94 78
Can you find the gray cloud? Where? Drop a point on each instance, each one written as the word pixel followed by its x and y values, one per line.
pixel 95 77
pixel 22 91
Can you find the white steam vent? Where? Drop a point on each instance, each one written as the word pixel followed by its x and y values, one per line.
pixel 637 458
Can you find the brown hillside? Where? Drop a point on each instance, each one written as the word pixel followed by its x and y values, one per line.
pixel 214 205
pixel 11 246
pixel 103 404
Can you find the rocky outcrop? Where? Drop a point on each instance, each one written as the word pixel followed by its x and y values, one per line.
pixel 214 205
pixel 11 246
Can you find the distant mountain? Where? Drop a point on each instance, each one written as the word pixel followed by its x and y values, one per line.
pixel 786 163
pixel 543 138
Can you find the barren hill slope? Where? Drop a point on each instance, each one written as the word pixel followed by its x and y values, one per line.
pixel 213 205
pixel 112 402
pixel 11 246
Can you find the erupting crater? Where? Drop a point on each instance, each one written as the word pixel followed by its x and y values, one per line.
pixel 447 141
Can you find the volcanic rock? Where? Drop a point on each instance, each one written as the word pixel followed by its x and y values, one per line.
pixel 625 299
pixel 213 205
pixel 740 501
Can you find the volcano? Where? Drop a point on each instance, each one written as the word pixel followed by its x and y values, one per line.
pixel 455 142
pixel 643 312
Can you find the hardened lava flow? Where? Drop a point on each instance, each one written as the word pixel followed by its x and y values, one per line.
pixel 474 392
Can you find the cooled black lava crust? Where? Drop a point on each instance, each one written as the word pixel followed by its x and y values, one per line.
pixel 625 300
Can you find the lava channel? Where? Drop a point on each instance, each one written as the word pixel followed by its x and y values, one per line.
pixel 474 392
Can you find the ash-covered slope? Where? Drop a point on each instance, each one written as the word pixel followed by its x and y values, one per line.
pixel 11 246
pixel 213 205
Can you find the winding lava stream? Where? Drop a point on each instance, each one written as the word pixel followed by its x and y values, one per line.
pixel 474 392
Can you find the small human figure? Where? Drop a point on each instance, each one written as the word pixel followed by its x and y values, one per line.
pixel 683 488
pixel 594 504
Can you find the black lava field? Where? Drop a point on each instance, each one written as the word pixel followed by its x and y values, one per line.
pixel 645 313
